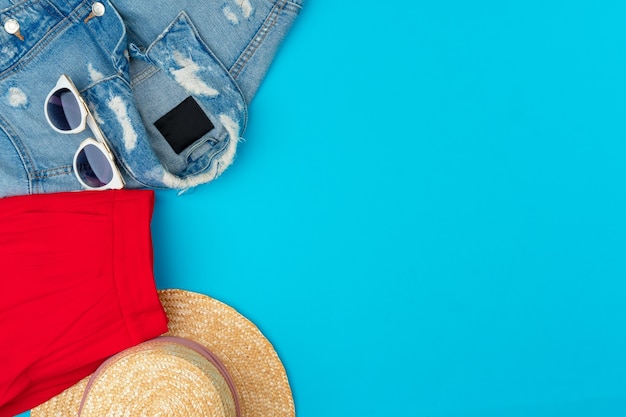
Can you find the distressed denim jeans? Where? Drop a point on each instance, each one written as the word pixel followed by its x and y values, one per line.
pixel 168 82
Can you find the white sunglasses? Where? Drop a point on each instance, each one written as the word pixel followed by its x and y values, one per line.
pixel 67 113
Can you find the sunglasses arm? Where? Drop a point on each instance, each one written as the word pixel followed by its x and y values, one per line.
pixel 95 129
pixel 93 125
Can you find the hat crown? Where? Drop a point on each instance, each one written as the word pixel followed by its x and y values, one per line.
pixel 164 376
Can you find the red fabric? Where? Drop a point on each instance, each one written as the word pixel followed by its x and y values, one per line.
pixel 76 286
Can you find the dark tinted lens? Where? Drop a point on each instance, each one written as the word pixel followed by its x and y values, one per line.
pixel 64 110
pixel 93 167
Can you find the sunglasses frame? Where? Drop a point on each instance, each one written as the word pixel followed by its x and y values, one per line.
pixel 116 182
pixel 86 120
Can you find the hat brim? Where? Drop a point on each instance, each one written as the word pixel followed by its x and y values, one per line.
pixel 258 374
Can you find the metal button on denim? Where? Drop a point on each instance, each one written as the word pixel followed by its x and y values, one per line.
pixel 11 26
pixel 98 9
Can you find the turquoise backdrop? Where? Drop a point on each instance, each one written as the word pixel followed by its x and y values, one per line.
pixel 428 214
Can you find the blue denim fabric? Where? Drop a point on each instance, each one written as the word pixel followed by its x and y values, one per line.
pixel 133 65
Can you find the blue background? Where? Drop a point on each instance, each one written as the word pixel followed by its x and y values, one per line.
pixel 427 217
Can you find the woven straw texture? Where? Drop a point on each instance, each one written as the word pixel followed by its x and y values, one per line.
pixel 135 384
pixel 258 374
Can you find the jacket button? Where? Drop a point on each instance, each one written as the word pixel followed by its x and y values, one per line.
pixel 11 26
pixel 97 9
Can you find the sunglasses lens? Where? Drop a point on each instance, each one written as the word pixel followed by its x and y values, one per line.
pixel 64 110
pixel 93 167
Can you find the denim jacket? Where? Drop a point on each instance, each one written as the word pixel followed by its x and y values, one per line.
pixel 146 69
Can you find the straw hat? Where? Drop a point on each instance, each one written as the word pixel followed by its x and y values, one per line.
pixel 212 362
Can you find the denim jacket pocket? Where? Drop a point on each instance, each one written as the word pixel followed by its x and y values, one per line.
pixel 193 110
pixel 25 26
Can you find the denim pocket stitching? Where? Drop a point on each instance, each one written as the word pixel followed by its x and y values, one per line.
pixel 119 59
pixel 52 172
pixel 36 48
pixel 257 39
